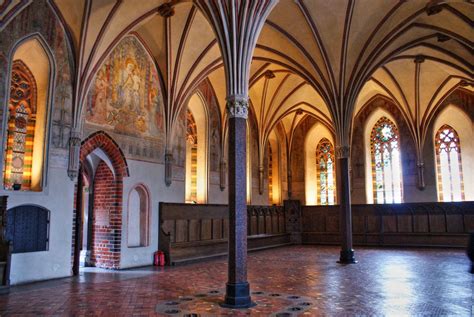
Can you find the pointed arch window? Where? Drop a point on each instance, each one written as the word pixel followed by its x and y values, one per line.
pixel 449 165
pixel 191 157
pixel 386 167
pixel 21 128
pixel 270 174
pixel 326 172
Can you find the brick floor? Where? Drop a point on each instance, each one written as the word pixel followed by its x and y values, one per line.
pixel 298 280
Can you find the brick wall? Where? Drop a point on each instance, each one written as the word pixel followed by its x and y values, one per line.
pixel 108 196
pixel 107 219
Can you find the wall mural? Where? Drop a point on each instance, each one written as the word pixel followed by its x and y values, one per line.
pixel 126 101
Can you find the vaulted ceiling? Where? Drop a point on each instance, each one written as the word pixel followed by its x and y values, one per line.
pixel 322 58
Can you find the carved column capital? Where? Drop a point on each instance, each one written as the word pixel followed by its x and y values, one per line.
pixel 237 107
pixel 343 151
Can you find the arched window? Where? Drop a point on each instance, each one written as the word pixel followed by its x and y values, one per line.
pixel 191 158
pixel 326 173
pixel 27 120
pixel 138 217
pixel 386 167
pixel 449 165
pixel 197 150
pixel 21 128
pixel 270 174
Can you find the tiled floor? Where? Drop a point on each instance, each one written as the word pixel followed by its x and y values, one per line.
pixel 299 280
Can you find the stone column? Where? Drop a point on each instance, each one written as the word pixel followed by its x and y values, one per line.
pixel 344 191
pixel 237 25
pixel 237 288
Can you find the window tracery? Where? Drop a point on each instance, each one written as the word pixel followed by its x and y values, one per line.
pixel 270 174
pixel 449 164
pixel 325 166
pixel 21 128
pixel 386 167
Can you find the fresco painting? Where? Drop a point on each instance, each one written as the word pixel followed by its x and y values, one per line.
pixel 125 100
pixel 125 96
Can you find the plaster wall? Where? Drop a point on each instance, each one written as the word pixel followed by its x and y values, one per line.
pixel 57 197
pixel 150 175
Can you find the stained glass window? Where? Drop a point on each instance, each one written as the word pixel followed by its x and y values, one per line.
pixel 326 172
pixel 449 165
pixel 192 144
pixel 21 128
pixel 270 174
pixel 386 167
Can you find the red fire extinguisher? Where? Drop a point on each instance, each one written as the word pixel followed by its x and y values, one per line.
pixel 159 258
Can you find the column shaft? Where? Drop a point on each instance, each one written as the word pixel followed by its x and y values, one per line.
pixel 347 253
pixel 237 291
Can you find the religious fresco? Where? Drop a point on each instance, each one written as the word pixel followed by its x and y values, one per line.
pixel 125 100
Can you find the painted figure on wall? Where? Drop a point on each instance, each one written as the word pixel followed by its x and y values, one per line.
pixel 125 95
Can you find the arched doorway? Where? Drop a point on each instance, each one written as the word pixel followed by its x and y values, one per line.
pixel 98 204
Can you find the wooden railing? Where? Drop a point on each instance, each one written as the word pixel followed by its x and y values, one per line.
pixel 408 224
pixel 195 231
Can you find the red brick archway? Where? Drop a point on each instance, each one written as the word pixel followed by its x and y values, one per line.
pixel 106 199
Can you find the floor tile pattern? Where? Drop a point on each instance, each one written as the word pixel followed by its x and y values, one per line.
pixel 385 282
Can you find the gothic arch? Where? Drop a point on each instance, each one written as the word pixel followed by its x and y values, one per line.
pixel 102 140
pixel 33 52
pixel 107 214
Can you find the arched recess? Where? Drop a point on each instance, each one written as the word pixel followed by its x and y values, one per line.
pixel 274 171
pixel 312 139
pixel 361 168
pixel 138 223
pixel 29 106
pixel 197 149
pixel 370 124
pixel 105 166
pixel 463 125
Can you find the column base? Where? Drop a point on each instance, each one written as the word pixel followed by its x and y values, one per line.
pixel 237 296
pixel 347 257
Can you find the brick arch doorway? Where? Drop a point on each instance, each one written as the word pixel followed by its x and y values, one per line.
pixel 97 233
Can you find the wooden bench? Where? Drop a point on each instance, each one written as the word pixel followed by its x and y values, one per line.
pixel 192 232
pixel 438 224
pixel 5 249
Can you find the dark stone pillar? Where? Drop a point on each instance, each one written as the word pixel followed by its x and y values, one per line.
pixel 347 253
pixel 237 288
